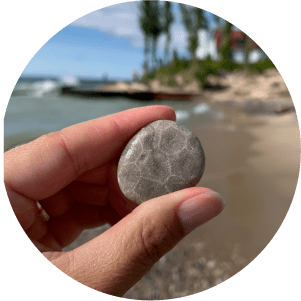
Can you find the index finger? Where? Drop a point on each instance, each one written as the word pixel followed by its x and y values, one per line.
pixel 42 167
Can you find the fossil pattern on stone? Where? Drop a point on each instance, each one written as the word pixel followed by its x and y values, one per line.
pixel 161 158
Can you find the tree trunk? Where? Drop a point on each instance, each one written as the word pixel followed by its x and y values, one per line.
pixel 248 43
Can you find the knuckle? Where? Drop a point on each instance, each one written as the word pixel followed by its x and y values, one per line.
pixel 78 163
pixel 156 240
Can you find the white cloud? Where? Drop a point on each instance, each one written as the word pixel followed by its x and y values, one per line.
pixel 119 20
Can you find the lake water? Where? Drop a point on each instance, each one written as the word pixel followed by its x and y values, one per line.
pixel 252 161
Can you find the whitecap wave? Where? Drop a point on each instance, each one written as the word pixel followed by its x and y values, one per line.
pixel 69 80
pixel 36 89
pixel 182 115
pixel 39 89
pixel 201 109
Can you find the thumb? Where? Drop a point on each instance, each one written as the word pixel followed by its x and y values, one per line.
pixel 114 261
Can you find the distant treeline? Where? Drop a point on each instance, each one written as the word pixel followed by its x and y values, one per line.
pixel 156 19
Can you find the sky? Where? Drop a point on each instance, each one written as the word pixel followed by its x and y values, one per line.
pixel 106 41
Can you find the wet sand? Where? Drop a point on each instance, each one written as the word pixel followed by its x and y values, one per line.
pixel 253 162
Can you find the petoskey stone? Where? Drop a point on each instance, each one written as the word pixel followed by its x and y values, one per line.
pixel 161 158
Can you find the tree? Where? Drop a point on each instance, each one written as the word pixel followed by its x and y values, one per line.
pixel 193 19
pixel 168 20
pixel 150 21
pixel 225 50
pixel 247 44
pixel 218 24
pixel 201 17
pixel 225 29
pixel 144 17
pixel 155 27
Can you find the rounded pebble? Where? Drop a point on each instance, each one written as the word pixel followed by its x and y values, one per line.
pixel 161 158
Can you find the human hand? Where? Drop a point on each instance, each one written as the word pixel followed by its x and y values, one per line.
pixel 73 175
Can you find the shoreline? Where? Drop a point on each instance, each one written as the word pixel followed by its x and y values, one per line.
pixel 256 107
pixel 253 93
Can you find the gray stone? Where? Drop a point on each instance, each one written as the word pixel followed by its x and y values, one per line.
pixel 161 158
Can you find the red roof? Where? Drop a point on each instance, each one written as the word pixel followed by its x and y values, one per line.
pixel 237 40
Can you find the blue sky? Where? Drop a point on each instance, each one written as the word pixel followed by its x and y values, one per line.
pixel 104 41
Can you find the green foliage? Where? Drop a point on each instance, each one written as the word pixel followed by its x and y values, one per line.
pixel 206 67
pixel 179 65
pixel 154 23
pixel 151 25
pixel 166 74
pixel 175 55
pixel 187 21
pixel 144 15
pixel 225 49
pixel 172 82
pixel 156 18
pixel 227 65
pixel 167 22
pixel 202 22
pixel 262 65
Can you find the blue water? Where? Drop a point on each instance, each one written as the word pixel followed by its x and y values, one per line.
pixel 38 109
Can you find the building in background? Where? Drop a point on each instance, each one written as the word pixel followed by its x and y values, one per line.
pixel 238 46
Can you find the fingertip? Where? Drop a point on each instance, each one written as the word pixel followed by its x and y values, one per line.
pixel 199 209
pixel 171 113
pixel 219 199
pixel 165 112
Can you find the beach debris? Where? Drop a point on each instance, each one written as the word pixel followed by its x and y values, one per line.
pixel 161 158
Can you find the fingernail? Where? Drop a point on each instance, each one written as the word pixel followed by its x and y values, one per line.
pixel 199 210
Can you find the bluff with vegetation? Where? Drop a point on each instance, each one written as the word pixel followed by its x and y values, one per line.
pixel 156 19
pixel 200 71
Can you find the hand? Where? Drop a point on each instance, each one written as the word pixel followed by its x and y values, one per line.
pixel 72 174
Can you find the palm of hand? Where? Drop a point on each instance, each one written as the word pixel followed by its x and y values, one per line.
pixel 92 200
pixel 72 174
